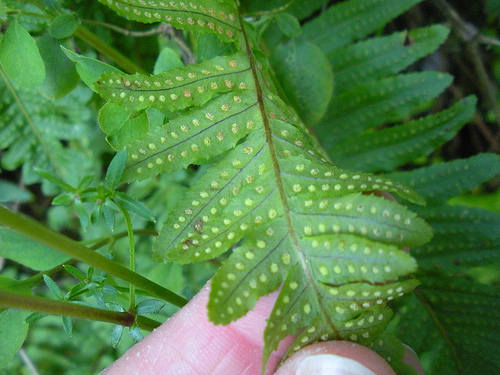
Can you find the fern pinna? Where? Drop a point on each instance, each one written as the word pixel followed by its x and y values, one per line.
pixel 290 217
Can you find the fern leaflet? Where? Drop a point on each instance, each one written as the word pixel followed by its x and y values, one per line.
pixel 296 220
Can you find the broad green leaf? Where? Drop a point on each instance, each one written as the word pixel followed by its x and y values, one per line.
pixel 29 253
pixel 348 21
pixel 442 181
pixel 463 237
pixel 63 26
pixel 167 59
pixel 13 331
pixel 208 46
pixel 289 26
pixel 61 76
pixel 386 149
pixel 122 126
pixel 20 58
pixel 436 323
pixel 89 69
pixel 115 169
pixel 305 77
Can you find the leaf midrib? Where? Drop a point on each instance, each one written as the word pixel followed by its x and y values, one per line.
pixel 277 170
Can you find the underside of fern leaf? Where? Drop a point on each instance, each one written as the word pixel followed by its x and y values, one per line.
pixel 290 217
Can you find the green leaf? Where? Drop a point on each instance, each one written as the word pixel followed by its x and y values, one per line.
pixel 29 253
pixel 63 26
pixel 54 179
pixel 67 323
pixel 383 56
pixel 109 216
pixel 149 306
pixel 61 75
pixel 20 58
pixel 75 272
pixel 178 88
pixel 388 148
pixel 305 76
pixel 82 213
pixel 167 59
pixel 54 288
pixel 132 204
pixel 10 192
pixel 435 323
pixel 122 126
pixel 13 331
pixel 374 103
pixel 115 169
pixel 34 132
pixel 89 69
pixel 463 237
pixel 136 333
pixel 442 181
pixel 116 335
pixel 289 217
pixel 218 17
pixel 348 21
pixel 289 25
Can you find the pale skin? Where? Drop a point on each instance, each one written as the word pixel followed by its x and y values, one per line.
pixel 189 344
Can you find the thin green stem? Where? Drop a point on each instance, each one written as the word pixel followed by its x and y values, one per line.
pixel 39 233
pixel 121 60
pixel 97 243
pixel 138 34
pixel 45 305
pixel 131 245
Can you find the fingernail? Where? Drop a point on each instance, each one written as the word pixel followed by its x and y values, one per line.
pixel 329 364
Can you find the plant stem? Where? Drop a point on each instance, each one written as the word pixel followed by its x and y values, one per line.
pixel 147 324
pixel 38 232
pixel 121 60
pixel 131 245
pixel 45 305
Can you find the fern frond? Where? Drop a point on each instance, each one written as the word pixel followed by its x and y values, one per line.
pixel 386 149
pixel 209 16
pixel 32 131
pixel 375 103
pixel 463 236
pixel 436 322
pixel 379 57
pixel 348 21
pixel 290 217
pixel 440 182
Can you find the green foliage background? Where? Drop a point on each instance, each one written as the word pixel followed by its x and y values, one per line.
pixel 402 89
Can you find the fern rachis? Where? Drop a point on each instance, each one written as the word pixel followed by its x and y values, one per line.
pixel 297 220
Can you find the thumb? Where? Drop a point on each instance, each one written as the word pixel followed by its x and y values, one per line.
pixel 335 358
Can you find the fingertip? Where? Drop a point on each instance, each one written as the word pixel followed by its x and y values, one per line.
pixel 335 357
